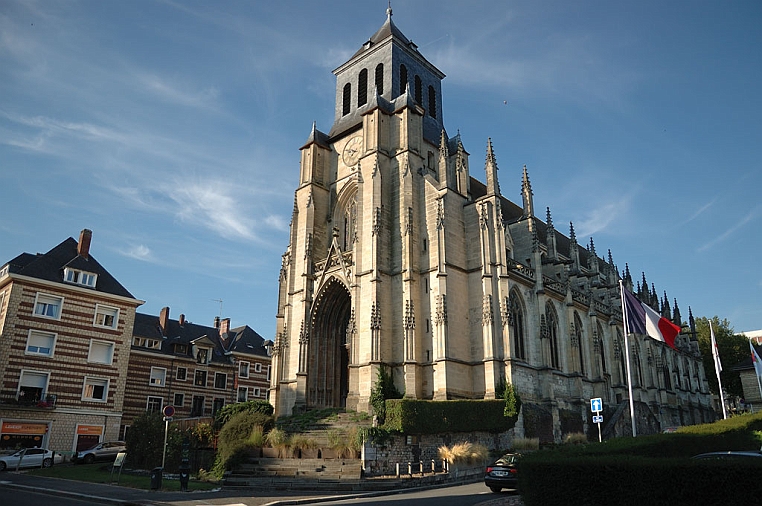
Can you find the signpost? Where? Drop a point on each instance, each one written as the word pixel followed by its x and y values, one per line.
pixel 169 412
pixel 596 406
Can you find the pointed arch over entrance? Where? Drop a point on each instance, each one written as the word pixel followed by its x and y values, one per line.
pixel 328 368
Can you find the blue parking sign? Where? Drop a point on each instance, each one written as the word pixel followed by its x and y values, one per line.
pixel 596 405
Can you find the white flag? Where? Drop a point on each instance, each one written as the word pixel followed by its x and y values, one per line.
pixel 715 351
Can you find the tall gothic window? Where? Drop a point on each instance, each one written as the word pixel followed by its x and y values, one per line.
pixel 347 99
pixel 432 102
pixel 362 88
pixel 418 90
pixel 602 348
pixel 552 323
pixel 403 79
pixel 517 326
pixel 579 345
pixel 380 78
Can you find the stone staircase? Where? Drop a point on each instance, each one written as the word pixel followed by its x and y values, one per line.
pixel 321 466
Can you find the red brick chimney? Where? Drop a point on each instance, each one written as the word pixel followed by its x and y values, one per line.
pixel 181 320
pixel 83 247
pixel 164 320
pixel 224 326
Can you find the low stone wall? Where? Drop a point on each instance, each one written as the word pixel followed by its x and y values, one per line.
pixel 382 460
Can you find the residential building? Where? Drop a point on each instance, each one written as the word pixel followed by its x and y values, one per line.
pixel 399 258
pixel 65 333
pixel 196 369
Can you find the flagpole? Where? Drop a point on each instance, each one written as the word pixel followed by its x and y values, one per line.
pixel 627 355
pixel 759 384
pixel 716 359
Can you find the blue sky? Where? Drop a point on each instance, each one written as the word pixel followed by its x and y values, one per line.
pixel 172 130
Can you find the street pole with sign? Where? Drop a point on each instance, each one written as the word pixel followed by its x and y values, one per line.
pixel 596 406
pixel 168 411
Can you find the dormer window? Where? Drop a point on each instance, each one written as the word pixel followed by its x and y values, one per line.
pixel 202 356
pixel 80 277
pixel 181 349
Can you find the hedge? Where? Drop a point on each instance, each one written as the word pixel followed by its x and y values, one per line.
pixel 412 416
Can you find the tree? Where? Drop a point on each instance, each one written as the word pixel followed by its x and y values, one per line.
pixel 732 349
pixel 145 441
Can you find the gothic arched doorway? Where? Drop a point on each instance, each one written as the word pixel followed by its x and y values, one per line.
pixel 328 369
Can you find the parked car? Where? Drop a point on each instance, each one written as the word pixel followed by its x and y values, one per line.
pixel 29 457
pixel 502 473
pixel 741 455
pixel 102 451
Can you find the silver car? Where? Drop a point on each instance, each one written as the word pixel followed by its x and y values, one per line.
pixel 102 451
pixel 29 457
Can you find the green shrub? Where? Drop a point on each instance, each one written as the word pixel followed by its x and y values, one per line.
pixel 229 410
pixel 384 389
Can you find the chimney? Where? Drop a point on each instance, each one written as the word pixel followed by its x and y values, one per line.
pixel 216 322
pixel 224 326
pixel 181 320
pixel 164 321
pixel 83 247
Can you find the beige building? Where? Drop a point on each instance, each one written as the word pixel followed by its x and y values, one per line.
pixel 398 257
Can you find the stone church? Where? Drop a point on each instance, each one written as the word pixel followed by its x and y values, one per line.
pixel 399 258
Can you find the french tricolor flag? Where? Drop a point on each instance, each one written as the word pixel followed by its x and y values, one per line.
pixel 641 319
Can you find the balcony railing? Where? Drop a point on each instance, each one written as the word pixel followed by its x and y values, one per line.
pixel 46 402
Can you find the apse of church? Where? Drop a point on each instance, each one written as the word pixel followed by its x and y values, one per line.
pixel 399 258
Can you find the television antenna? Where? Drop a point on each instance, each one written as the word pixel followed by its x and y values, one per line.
pixel 220 301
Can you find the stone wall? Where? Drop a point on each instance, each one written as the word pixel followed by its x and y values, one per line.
pixel 382 459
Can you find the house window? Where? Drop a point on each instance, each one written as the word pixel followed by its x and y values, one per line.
pixel 32 386
pixel 346 99
pixel 106 316
pixel 243 394
pixel 256 392
pixel 101 352
pixel 179 400
pixel 220 380
pixel 144 342
pixel 197 408
pixel 154 404
pixel 48 306
pixel 181 374
pixel 158 376
pixel 243 369
pixel 380 78
pixel 40 343
pixel 202 356
pixel 268 373
pixel 2 303
pixel 217 405
pixel 257 367
pixel 362 88
pixel 96 389
pixel 80 277
pixel 200 379
pixel 181 349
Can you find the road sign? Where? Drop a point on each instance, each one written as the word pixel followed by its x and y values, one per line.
pixel 598 419
pixel 596 405
pixel 169 411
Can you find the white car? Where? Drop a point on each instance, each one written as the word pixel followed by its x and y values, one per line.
pixel 29 457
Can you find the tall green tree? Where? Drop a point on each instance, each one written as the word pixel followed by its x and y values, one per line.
pixel 732 349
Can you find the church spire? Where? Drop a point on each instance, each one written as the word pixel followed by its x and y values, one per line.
pixel 550 235
pixel 444 155
pixel 526 194
pixel 493 185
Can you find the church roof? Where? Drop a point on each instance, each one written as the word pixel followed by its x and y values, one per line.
pixel 388 29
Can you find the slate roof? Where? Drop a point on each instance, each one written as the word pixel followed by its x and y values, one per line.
pixel 50 267
pixel 242 339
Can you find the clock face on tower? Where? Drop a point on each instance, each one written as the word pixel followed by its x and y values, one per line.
pixel 352 150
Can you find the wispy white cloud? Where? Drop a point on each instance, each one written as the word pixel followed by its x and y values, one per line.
pixel 730 231
pixel 139 252
pixel 699 211
pixel 600 218
pixel 175 93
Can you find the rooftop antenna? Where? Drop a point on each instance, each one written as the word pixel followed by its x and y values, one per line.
pixel 220 301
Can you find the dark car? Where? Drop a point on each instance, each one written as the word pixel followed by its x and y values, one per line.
pixel 502 473
pixel 736 456
pixel 101 451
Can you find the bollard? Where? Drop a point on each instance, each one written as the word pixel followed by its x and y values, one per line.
pixel 398 469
